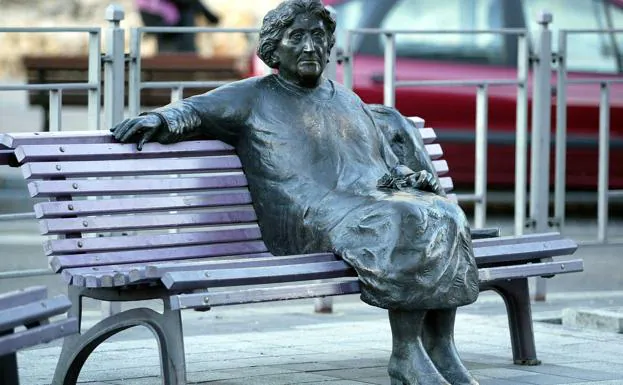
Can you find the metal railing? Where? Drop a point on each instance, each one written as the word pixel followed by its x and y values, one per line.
pixel 479 197
pixel 93 85
pixel 603 192
pixel 135 85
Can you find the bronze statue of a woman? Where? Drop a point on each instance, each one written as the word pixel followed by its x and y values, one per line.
pixel 324 177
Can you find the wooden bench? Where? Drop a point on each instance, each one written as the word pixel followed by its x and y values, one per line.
pixel 175 222
pixel 25 322
pixel 161 68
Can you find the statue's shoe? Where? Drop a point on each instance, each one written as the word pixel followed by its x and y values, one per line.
pixel 414 372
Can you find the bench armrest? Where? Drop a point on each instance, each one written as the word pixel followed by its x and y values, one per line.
pixel 491 232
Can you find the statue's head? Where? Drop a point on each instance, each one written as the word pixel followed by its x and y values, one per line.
pixel 296 38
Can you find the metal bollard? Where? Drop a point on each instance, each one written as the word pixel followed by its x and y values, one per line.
pixel 114 67
pixel 541 137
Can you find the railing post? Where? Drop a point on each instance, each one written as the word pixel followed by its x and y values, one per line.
pixel 56 103
pixel 482 112
pixel 95 77
pixel 134 73
pixel 177 94
pixel 521 134
pixel 389 88
pixel 561 132
pixel 348 61
pixel 114 67
pixel 604 153
pixel 541 137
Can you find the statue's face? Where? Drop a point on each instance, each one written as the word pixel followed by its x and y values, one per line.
pixel 303 51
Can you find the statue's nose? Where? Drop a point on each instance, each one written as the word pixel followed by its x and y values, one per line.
pixel 308 44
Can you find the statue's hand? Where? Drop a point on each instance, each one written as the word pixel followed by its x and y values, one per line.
pixel 424 180
pixel 140 129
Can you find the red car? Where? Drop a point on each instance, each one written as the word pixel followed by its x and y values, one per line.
pixel 451 110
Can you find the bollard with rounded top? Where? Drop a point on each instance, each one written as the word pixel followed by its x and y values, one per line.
pixel 541 135
pixel 544 18
pixel 115 13
pixel 114 65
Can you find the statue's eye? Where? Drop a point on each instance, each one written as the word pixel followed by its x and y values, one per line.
pixel 296 36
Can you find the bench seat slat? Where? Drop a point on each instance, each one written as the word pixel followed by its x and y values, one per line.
pixel 238 297
pixel 434 151
pixel 428 135
pixel 529 270
pixel 13 317
pixel 135 271
pixel 39 189
pixel 235 214
pixel 85 152
pixel 446 183
pixel 23 296
pixel 60 262
pixel 142 204
pixel 516 240
pixel 13 140
pixel 42 334
pixel 524 252
pixel 441 167
pixel 132 274
pixel 182 280
pixel 119 243
pixel 130 167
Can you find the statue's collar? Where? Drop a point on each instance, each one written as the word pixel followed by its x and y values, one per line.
pixel 323 92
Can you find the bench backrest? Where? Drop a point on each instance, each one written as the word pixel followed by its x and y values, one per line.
pixel 109 204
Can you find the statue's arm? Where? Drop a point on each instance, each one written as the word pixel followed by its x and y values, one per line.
pixel 220 114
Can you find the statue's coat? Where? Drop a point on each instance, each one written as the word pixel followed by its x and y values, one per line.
pixel 313 164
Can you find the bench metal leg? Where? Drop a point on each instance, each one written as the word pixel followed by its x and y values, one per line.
pixel 167 328
pixel 516 295
pixel 8 370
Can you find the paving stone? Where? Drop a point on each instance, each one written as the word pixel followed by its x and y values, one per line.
pixel 607 319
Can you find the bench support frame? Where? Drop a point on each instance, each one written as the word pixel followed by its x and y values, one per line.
pixel 166 327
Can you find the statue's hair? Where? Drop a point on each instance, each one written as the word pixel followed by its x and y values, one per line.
pixel 281 18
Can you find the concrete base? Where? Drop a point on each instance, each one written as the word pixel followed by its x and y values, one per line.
pixel 607 319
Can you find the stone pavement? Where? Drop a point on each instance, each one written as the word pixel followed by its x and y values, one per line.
pixel 286 343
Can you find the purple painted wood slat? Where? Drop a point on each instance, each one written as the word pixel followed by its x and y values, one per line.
pixel 529 270
pixel 434 151
pixel 183 280
pixel 130 167
pixel 441 167
pixel 428 135
pixel 229 197
pixel 236 214
pixel 22 296
pixel 12 140
pixel 524 252
pixel 60 262
pixel 121 275
pixel 32 337
pixel 104 276
pixel 515 240
pixel 235 233
pixel 158 270
pixel 446 183
pixel 39 189
pixel 84 152
pixel 13 317
pixel 238 297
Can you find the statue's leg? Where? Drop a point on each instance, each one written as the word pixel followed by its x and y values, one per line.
pixel 409 363
pixel 438 339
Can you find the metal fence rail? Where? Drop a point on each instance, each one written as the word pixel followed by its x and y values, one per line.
pixel 604 194
pixel 93 85
pixel 479 197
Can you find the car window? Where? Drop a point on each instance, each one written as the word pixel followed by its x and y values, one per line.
pixel 585 52
pixel 448 15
